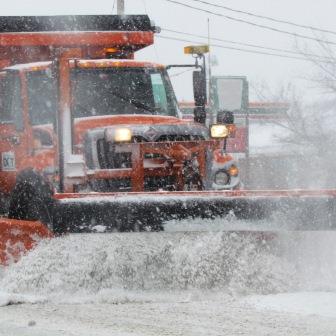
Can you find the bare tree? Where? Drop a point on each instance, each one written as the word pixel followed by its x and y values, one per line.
pixel 308 129
pixel 305 125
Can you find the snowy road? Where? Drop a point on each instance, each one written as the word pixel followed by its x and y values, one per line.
pixel 185 316
pixel 173 284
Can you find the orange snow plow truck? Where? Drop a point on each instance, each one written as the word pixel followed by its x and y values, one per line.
pixel 93 140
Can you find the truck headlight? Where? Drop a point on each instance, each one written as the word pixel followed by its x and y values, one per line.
pixel 222 178
pixel 219 131
pixel 122 135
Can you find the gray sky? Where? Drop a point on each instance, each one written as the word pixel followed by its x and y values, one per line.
pixel 272 70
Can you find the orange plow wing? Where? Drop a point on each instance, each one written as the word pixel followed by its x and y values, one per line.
pixel 19 236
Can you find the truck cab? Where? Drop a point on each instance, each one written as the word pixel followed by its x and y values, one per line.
pixel 107 96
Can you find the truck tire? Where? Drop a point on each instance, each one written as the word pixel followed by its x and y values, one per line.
pixel 32 198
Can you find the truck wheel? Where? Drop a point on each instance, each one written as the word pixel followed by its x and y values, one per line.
pixel 32 198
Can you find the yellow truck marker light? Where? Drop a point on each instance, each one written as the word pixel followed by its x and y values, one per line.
pixel 196 50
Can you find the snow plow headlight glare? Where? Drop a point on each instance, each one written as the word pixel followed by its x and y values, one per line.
pixel 222 178
pixel 219 131
pixel 123 135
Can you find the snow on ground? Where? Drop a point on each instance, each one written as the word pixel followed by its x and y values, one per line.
pixel 305 303
pixel 174 283
pixel 214 315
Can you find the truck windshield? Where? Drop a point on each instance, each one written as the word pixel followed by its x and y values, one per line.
pixel 116 91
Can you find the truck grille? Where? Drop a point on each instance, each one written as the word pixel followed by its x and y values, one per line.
pixel 124 185
pixel 110 160
pixel 171 138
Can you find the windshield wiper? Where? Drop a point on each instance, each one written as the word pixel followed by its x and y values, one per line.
pixel 135 102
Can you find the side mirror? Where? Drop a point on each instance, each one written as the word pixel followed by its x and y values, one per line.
pixel 200 114
pixel 225 117
pixel 199 84
pixel 200 96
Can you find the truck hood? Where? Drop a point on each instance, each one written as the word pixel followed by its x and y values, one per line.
pixel 147 123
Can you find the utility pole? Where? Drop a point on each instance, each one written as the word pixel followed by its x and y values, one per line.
pixel 213 118
pixel 120 7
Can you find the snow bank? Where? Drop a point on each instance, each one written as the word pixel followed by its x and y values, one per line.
pixel 305 303
pixel 141 267
pixel 85 265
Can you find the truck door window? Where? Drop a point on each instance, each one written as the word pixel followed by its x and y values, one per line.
pixel 10 100
pixel 5 115
pixel 42 97
pixel 159 92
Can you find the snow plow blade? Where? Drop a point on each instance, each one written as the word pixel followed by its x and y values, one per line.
pixel 302 209
pixel 19 236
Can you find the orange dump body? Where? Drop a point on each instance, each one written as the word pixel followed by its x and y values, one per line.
pixel 36 39
pixel 13 49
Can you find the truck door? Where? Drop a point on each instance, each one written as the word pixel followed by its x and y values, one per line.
pixel 13 138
